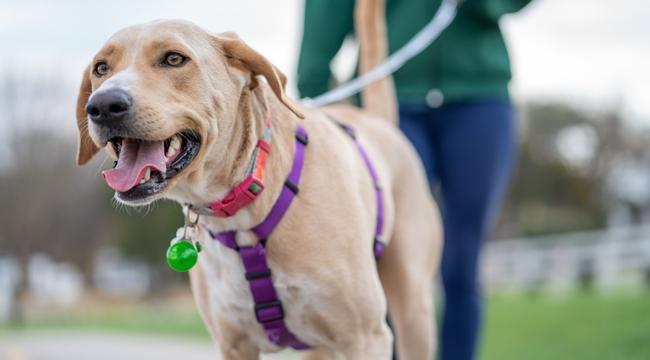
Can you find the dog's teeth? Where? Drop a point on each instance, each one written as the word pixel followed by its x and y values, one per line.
pixel 147 175
pixel 174 146
pixel 175 143
pixel 170 152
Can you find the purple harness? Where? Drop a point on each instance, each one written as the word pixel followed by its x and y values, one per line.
pixel 268 307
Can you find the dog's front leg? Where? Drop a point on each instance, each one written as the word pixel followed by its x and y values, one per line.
pixel 232 342
pixel 238 350
pixel 376 344
pixel 318 354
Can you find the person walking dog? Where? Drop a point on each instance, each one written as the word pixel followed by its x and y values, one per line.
pixel 455 108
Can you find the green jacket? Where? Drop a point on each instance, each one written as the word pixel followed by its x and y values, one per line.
pixel 468 61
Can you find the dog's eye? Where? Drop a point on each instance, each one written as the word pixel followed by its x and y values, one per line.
pixel 101 69
pixel 174 59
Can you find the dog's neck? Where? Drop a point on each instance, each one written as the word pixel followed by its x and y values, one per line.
pixel 230 169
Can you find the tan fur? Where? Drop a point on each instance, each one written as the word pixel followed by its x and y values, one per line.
pixel 86 148
pixel 378 98
pixel 334 293
pixel 238 50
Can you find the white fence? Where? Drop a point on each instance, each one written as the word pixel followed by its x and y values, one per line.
pixel 54 283
pixel 607 260
pixel 62 285
pixel 9 277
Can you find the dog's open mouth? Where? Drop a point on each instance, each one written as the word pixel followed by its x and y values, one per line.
pixel 144 167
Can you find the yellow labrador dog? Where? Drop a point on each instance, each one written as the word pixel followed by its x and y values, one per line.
pixel 184 111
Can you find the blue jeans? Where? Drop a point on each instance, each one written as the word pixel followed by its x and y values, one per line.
pixel 468 149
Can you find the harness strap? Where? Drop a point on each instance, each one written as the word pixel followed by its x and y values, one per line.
pixel 269 311
pixel 378 245
pixel 289 190
pixel 268 307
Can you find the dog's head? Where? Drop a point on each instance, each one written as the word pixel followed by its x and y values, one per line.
pixel 161 98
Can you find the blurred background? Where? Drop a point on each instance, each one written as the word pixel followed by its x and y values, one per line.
pixel 567 272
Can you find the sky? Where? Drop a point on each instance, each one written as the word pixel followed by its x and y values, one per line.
pixel 593 53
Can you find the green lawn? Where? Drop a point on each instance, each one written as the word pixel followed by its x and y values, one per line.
pixel 159 319
pixel 582 326
pixel 577 327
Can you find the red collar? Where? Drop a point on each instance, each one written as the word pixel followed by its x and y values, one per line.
pixel 248 189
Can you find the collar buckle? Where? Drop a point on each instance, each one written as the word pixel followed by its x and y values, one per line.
pixel 248 189
pixel 241 195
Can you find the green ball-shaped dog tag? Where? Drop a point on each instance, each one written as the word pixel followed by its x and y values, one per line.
pixel 182 256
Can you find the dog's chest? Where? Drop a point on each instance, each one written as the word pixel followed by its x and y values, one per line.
pixel 229 297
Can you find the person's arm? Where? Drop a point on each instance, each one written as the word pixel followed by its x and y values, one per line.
pixel 326 24
pixel 494 9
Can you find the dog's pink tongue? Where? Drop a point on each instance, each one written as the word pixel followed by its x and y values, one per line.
pixel 135 157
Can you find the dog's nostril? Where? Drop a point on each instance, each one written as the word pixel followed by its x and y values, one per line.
pixel 92 111
pixel 117 108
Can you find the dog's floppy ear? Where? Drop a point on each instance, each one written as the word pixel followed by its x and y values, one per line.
pixel 236 49
pixel 87 148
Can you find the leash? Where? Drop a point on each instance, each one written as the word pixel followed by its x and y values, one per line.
pixel 425 37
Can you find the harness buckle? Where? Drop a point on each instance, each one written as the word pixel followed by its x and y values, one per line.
pixel 269 311
pixel 258 275
pixel 302 138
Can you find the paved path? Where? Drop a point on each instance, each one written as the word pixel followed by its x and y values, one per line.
pixel 97 345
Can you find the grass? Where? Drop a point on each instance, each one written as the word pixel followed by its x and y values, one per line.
pixel 158 319
pixel 579 326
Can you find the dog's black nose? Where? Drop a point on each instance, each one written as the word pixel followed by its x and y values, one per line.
pixel 109 107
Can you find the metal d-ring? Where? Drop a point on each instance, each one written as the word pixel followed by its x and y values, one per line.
pixel 189 223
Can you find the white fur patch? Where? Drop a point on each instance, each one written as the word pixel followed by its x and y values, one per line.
pixel 121 80
pixel 230 298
